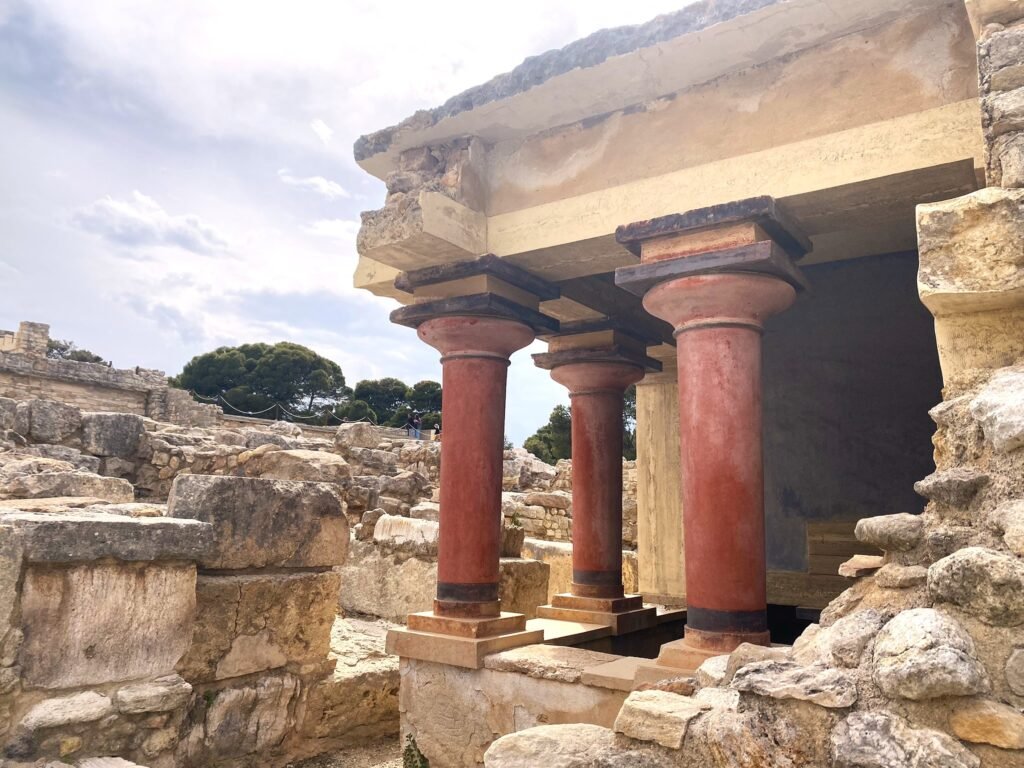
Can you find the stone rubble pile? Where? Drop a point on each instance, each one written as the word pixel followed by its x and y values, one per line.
pixel 919 665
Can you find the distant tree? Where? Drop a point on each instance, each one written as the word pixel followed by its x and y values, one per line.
pixel 553 441
pixel 507 444
pixel 386 397
pixel 255 377
pixel 425 397
pixel 58 349
pixel 356 410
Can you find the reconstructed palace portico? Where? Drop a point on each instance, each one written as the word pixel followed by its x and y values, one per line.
pixel 719 206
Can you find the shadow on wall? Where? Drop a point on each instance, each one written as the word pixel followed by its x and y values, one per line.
pixel 849 375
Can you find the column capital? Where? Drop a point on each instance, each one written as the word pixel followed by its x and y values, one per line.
pixel 716 300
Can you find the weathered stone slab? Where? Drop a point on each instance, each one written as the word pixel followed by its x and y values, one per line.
pixel 955 487
pixel 262 523
pixel 94 624
pixel 897 533
pixel 85 707
pixel 112 434
pixel 82 535
pixel 161 695
pixel 312 466
pixel 548 662
pixel 999 407
pixel 77 483
pixel 253 623
pixel 52 422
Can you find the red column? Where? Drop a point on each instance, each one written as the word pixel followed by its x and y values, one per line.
pixel 475 357
pixel 718 320
pixel 596 391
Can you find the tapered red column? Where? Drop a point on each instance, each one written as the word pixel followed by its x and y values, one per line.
pixel 596 391
pixel 718 320
pixel 475 357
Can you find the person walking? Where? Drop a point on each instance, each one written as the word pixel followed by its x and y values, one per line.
pixel 416 424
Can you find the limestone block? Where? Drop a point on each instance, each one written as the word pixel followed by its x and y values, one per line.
pixel 51 484
pixel 406 486
pixel 788 680
pixel 313 466
pixel 881 740
pixel 972 251
pixel 748 653
pixel 374 584
pixel 260 523
pixel 550 500
pixel 243 719
pixel 711 672
pixel 983 582
pixel 426 510
pixel 85 707
pixel 72 456
pixel 394 532
pixel 84 535
pixel 256 438
pixel 1005 111
pixel 954 487
pixel 563 664
pixel 842 644
pixel 52 422
pixel 102 623
pixel 10 579
pixel 923 654
pixel 512 538
pixel 988 722
pixel 1001 59
pixel 892 533
pixel 112 434
pixel 161 695
pixel 1007 160
pixel 999 407
pixel 657 716
pixel 257 622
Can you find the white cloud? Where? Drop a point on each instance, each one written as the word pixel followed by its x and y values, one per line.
pixel 336 229
pixel 329 189
pixel 141 221
pixel 322 130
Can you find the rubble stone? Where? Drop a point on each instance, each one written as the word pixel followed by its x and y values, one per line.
pixel 983 582
pixel 999 407
pixel 923 654
pixel 1015 671
pixel 260 523
pixel 952 487
pixel 789 680
pixel 1008 519
pixel 988 722
pixel 312 466
pixel 893 576
pixel 571 746
pixel 883 740
pixel 892 533
pixel 841 644
pixel 657 716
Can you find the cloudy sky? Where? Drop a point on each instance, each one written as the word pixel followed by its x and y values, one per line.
pixel 176 176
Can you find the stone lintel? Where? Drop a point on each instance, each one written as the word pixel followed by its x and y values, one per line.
pixel 479 305
pixel 606 354
pixel 81 536
pixel 764 257
pixel 467 652
pixel 622 329
pixel 488 264
pixel 763 211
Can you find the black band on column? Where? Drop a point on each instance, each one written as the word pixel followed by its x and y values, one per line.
pixel 467 593
pixel 597 578
pixel 708 620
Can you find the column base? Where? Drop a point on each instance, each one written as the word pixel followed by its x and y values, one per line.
pixel 460 642
pixel 621 614
pixel 696 647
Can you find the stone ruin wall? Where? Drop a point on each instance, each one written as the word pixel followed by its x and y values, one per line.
pixel 156 604
pixel 26 373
